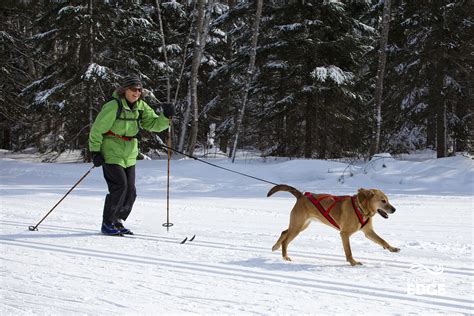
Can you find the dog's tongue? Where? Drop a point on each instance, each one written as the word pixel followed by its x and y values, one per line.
pixel 382 213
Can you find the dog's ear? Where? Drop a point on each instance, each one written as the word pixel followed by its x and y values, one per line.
pixel 366 194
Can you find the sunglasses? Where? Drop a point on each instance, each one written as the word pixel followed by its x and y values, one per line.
pixel 135 89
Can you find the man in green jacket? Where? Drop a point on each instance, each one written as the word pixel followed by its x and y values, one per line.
pixel 114 146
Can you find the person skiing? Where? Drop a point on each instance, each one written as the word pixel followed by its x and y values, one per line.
pixel 114 146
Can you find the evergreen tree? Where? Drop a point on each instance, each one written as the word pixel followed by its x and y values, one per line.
pixel 314 83
pixel 429 67
pixel 311 63
pixel 125 40
pixel 17 67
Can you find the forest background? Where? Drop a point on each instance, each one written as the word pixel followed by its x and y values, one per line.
pixel 309 78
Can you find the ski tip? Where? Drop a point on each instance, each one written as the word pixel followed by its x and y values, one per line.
pixel 184 240
pixel 192 238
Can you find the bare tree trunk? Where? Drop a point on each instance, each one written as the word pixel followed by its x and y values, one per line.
pixel 91 61
pixel 438 98
pixel 441 128
pixel 165 54
pixel 308 134
pixel 431 131
pixel 187 104
pixel 185 122
pixel 90 99
pixel 380 77
pixel 250 72
pixel 224 138
pixel 202 29
pixel 31 63
pixel 5 139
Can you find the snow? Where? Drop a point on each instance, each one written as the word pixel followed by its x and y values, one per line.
pixel 144 23
pixel 95 70
pixel 67 267
pixel 411 98
pixel 289 27
pixel 6 37
pixel 277 65
pixel 333 72
pixel 42 96
pixel 72 9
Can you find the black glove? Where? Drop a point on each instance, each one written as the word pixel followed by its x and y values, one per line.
pixel 97 159
pixel 168 109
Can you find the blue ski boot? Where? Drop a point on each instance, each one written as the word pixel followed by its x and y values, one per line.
pixel 109 229
pixel 122 229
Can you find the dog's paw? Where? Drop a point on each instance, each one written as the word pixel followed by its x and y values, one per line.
pixel 287 258
pixel 393 249
pixel 355 263
pixel 275 247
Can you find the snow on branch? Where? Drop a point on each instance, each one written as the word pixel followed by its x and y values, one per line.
pixel 289 99
pixel 42 96
pixel 34 85
pixel 412 97
pixel 43 35
pixel 364 27
pixel 72 9
pixel 334 73
pixel 4 36
pixel 96 71
pixel 276 65
pixel 141 22
pixel 335 4
pixel 289 27
pixel 451 82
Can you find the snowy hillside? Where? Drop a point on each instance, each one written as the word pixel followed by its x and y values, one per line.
pixel 68 267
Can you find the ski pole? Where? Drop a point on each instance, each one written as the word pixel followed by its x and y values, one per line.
pixel 168 224
pixel 33 228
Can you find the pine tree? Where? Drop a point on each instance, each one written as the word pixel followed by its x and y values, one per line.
pixel 123 39
pixel 428 70
pixel 311 62
pixel 17 67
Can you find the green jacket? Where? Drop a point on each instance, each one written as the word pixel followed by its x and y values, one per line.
pixel 114 149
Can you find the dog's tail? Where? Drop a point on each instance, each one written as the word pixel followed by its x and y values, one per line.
pixel 287 188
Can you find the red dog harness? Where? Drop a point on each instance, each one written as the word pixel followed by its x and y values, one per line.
pixel 325 213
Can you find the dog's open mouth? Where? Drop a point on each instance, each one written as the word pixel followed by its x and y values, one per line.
pixel 382 213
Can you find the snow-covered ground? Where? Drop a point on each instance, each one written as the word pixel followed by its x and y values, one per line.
pixel 68 267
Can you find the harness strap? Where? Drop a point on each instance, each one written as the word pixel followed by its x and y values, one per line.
pixel 110 133
pixel 321 208
pixel 358 212
pixel 120 109
pixel 325 212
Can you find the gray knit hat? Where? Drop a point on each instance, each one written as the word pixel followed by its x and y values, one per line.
pixel 131 81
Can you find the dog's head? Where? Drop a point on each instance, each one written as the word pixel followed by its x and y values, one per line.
pixel 375 201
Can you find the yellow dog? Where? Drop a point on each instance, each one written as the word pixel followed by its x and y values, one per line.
pixel 349 214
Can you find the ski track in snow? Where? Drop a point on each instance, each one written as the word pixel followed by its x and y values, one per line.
pixel 68 267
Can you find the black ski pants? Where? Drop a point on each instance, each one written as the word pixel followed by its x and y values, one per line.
pixel 122 192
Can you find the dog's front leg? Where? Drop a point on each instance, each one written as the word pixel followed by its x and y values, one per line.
pixel 347 248
pixel 370 234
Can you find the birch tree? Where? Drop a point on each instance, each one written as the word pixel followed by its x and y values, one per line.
pixel 202 29
pixel 163 47
pixel 380 77
pixel 91 61
pixel 250 72
pixel 187 102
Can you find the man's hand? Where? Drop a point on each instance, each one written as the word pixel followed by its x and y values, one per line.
pixel 97 159
pixel 168 109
